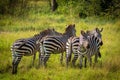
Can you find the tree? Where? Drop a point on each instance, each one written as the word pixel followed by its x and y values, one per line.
pixel 54 5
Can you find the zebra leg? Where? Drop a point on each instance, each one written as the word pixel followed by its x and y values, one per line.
pixel 75 58
pixel 99 54
pixel 96 56
pixel 46 57
pixel 81 60
pixel 61 58
pixel 90 61
pixel 68 58
pixel 85 62
pixel 41 58
pixel 15 63
pixel 34 56
pixel 41 54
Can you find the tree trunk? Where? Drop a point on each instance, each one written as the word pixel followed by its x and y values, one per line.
pixel 54 5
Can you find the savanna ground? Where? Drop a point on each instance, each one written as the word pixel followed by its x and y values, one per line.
pixel 12 28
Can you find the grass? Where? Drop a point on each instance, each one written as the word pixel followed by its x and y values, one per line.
pixel 12 28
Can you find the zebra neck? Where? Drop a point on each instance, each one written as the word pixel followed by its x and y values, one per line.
pixel 65 38
pixel 36 38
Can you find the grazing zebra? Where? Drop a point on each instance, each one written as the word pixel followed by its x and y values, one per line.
pixel 27 46
pixel 55 44
pixel 73 42
pixel 88 46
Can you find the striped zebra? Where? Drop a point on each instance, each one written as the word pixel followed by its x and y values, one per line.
pixel 89 45
pixel 97 33
pixel 72 46
pixel 55 44
pixel 27 47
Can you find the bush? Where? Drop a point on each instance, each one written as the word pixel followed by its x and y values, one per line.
pixel 81 8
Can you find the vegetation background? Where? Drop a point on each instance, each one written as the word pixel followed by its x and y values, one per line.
pixel 24 18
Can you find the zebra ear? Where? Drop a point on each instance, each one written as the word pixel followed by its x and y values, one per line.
pixel 74 25
pixel 83 32
pixel 53 29
pixel 88 32
pixel 97 30
pixel 101 29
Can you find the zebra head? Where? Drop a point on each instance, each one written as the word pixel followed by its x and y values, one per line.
pixel 96 33
pixel 70 30
pixel 83 43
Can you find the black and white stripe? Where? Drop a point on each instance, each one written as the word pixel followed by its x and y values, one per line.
pixel 73 42
pixel 71 47
pixel 89 45
pixel 27 47
pixel 97 33
pixel 55 44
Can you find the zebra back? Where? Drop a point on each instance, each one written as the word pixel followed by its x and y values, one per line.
pixel 59 40
pixel 29 44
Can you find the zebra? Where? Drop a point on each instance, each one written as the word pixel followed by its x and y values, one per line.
pixel 71 47
pixel 97 33
pixel 88 46
pixel 27 47
pixel 55 44
pixel 73 42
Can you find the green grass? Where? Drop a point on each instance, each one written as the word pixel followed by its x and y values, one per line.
pixel 12 28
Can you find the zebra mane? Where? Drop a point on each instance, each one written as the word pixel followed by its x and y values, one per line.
pixel 45 31
pixel 36 35
pixel 56 33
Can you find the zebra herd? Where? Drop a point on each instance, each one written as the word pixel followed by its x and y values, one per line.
pixel 50 42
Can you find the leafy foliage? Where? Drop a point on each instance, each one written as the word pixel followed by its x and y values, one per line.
pixel 82 8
